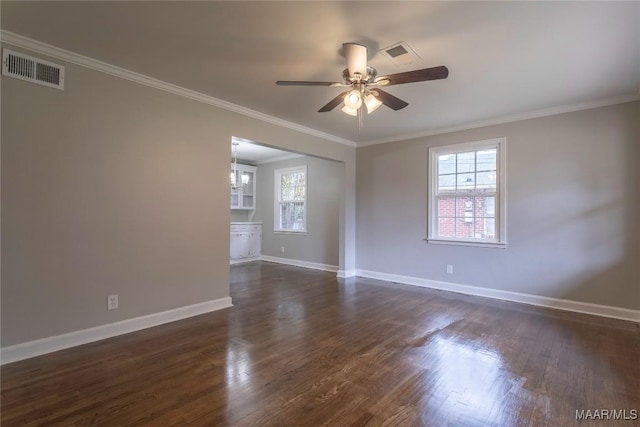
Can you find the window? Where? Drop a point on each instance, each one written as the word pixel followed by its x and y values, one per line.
pixel 291 200
pixel 467 194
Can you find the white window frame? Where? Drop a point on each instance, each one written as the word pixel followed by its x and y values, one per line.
pixel 500 241
pixel 277 193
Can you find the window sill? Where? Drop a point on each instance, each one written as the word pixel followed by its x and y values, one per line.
pixel 300 232
pixel 495 245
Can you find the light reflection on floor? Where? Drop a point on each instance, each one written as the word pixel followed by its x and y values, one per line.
pixel 474 376
pixel 237 367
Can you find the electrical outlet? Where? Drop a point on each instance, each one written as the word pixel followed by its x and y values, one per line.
pixel 112 302
pixel 449 269
pixel 281 249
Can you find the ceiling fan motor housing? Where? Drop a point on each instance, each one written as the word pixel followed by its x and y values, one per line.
pixel 356 55
pixel 369 78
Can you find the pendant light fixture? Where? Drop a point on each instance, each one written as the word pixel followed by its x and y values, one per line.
pixel 244 178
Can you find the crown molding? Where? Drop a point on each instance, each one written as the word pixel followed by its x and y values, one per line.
pixel 103 67
pixel 96 65
pixel 508 119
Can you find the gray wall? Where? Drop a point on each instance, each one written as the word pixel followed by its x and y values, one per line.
pixel 114 187
pixel 239 216
pixel 324 185
pixel 572 209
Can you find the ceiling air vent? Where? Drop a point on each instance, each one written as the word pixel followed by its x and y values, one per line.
pixel 400 53
pixel 25 67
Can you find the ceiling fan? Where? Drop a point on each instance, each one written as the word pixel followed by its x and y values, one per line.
pixel 365 84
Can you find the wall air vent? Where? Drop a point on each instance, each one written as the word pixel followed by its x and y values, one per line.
pixel 400 53
pixel 25 67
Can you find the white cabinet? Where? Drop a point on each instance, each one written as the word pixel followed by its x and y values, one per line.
pixel 245 196
pixel 246 241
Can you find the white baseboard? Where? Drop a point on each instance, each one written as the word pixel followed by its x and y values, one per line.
pixel 50 344
pixel 561 304
pixel 298 263
pixel 345 274
pixel 241 260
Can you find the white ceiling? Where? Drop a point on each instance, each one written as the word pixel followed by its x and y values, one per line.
pixel 248 151
pixel 505 58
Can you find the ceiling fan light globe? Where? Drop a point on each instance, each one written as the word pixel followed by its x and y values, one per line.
pixel 350 111
pixel 372 103
pixel 353 99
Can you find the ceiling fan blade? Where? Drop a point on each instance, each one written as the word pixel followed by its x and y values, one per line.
pixel 356 55
pixel 433 73
pixel 307 83
pixel 333 103
pixel 389 100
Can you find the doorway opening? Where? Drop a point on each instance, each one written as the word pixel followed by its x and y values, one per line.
pixel 285 206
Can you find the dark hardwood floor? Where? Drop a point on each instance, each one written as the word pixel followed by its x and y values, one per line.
pixel 301 348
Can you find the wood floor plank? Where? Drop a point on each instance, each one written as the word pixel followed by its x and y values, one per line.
pixel 302 348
